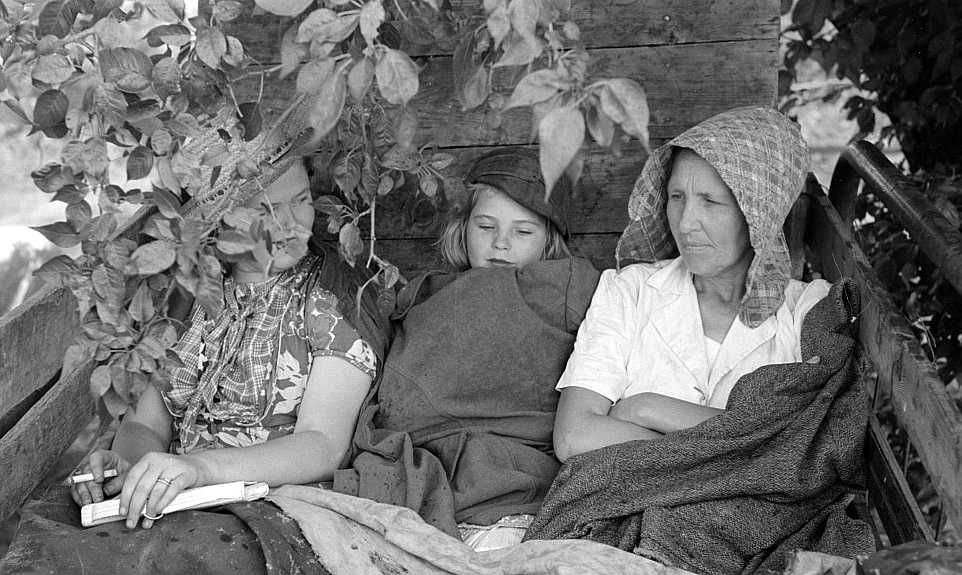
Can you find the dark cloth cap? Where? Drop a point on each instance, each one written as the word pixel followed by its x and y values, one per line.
pixel 517 173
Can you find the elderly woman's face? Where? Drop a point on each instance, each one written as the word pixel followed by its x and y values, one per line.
pixel 705 220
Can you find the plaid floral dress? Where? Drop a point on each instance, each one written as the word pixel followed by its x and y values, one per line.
pixel 244 373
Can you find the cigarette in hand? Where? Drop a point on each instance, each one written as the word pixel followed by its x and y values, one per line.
pixel 85 477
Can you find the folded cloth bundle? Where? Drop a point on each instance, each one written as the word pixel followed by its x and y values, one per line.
pixel 739 492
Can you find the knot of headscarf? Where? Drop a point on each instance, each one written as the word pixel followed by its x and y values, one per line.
pixel 760 154
pixel 221 339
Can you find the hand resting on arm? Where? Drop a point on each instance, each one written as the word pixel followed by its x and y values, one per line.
pixel 321 437
pixel 587 420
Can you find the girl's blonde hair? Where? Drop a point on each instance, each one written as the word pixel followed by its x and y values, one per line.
pixel 454 238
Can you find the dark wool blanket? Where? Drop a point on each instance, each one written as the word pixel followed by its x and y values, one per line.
pixel 739 492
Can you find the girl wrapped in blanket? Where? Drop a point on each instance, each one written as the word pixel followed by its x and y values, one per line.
pixel 462 429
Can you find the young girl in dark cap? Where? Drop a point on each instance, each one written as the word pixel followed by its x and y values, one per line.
pixel 461 428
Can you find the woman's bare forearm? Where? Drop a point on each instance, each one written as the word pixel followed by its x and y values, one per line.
pixel 304 457
pixel 661 413
pixel 594 431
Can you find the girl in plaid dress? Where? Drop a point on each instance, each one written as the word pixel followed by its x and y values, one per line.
pixel 268 391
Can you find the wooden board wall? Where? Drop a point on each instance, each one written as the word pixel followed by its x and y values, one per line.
pixel 694 59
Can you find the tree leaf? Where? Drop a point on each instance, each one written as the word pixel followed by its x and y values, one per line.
pixel 17 109
pixel 360 77
pixel 62 234
pixel 325 25
pixel 369 178
pixel 811 14
pixel 499 25
pixel 313 75
pixel 162 10
pixel 329 205
pixel 250 119
pixel 166 202
pixel 184 124
pixel 560 133
pixel 328 105
pixel 153 257
pixel 160 141
pixel 227 10
pixel 476 90
pixel 631 111
pixel 210 289
pixel 350 244
pixel 524 17
pixel 235 52
pixel 141 306
pixel 139 163
pixel 371 17
pixel 292 52
pixel 535 87
pixel 167 177
pixel 600 126
pixel 169 34
pixel 346 171
pixel 159 228
pixel 284 7
pixel 100 380
pixel 95 160
pixel 166 76
pixel 211 46
pixel 234 242
pixel 385 185
pixel 50 113
pixel 519 50
pixel 52 69
pixel 57 18
pixel 78 214
pixel 428 184
pixel 122 65
pixel 397 76
pixel 68 194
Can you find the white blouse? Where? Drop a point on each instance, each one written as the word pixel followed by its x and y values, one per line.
pixel 643 333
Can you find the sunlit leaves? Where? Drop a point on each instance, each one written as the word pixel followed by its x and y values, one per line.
pixel 360 78
pixel 624 101
pixel 325 25
pixel 211 46
pixel 397 76
pixel 350 244
pixel 292 52
pixel 127 68
pixel 560 135
pixel 57 17
pixel 152 258
pixel 371 17
pixel 52 69
pixel 535 87
pixel 313 75
pixel 327 105
pixel 139 163
pixel 284 7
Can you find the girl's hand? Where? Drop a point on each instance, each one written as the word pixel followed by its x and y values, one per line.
pixel 96 490
pixel 153 483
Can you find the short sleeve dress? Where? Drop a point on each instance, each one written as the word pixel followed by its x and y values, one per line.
pixel 244 373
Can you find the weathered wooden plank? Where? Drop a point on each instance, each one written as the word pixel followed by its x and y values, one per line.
pixel 921 405
pixel 599 204
pixel 421 254
pixel 33 338
pixel 31 448
pixel 889 492
pixel 685 85
pixel 603 24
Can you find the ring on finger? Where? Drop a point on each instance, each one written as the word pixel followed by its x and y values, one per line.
pixel 151 517
pixel 165 481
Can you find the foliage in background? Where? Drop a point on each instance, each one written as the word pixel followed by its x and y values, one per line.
pixel 143 100
pixel 908 53
pixel 905 57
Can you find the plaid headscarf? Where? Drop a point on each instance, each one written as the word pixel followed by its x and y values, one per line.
pixel 760 154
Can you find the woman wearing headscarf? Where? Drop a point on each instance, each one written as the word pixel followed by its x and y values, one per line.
pixel 702 425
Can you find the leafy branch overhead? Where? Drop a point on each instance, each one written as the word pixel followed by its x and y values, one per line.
pixel 145 99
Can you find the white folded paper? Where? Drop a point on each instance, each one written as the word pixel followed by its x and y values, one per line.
pixel 196 498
